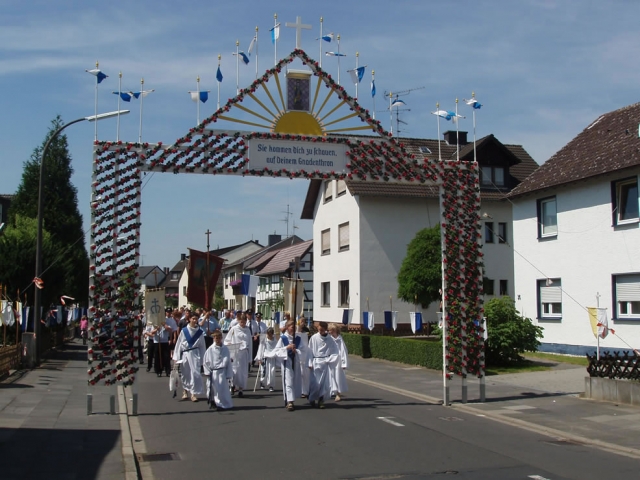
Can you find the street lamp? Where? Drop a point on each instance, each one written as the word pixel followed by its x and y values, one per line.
pixel 36 297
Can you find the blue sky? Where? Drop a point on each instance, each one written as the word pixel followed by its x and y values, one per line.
pixel 542 69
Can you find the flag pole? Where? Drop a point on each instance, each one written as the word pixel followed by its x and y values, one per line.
pixel 457 133
pixel 438 120
pixel 198 100
pixel 256 45
pixel 373 82
pixel 141 100
pixel 357 59
pixel 390 114
pixel 219 58
pixel 119 95
pixel 473 111
pixel 320 59
pixel 598 333
pixel 237 67
pixel 338 59
pixel 275 39
pixel 95 127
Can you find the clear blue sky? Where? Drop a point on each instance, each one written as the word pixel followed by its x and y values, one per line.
pixel 543 70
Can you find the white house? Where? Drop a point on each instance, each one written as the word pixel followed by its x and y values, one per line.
pixel 361 230
pixel 576 232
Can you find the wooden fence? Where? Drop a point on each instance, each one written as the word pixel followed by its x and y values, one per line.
pixel 617 365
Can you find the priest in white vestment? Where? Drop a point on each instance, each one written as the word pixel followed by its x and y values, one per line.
pixel 239 342
pixel 323 355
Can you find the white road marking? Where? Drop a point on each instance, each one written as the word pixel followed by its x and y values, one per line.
pixel 537 477
pixel 392 422
pixel 519 407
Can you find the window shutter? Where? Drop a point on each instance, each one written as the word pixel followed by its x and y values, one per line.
pixel 328 189
pixel 341 187
pixel 343 232
pixel 551 294
pixel 326 244
pixel 628 288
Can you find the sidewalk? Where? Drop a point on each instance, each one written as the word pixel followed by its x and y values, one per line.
pixel 44 427
pixel 547 402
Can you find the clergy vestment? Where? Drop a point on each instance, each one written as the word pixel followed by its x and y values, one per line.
pixel 217 367
pixel 267 355
pixel 323 355
pixel 291 368
pixel 240 339
pixel 189 351
pixel 338 377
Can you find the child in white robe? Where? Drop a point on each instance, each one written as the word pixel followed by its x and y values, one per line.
pixel 266 357
pixel 239 337
pixel 303 332
pixel 217 367
pixel 323 355
pixel 288 353
pixel 189 352
pixel 338 377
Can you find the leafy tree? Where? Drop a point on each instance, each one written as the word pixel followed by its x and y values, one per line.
pixel 510 334
pixel 420 276
pixel 61 218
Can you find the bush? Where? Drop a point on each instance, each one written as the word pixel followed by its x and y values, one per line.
pixel 404 350
pixel 510 334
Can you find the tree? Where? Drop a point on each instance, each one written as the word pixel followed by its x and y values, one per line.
pixel 420 276
pixel 510 334
pixel 61 218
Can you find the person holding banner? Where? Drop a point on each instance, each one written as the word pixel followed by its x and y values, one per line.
pixel 217 367
pixel 188 354
pixel 239 341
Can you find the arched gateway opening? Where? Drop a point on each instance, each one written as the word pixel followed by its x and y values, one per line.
pixel 303 124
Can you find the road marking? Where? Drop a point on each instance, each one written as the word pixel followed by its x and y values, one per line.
pixel 537 477
pixel 519 407
pixel 388 420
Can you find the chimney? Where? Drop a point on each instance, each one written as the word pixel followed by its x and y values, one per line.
pixel 273 239
pixel 166 270
pixel 450 137
pixel 183 257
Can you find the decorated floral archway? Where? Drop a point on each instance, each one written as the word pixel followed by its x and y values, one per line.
pixel 280 146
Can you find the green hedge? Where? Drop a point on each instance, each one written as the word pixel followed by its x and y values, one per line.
pixel 403 350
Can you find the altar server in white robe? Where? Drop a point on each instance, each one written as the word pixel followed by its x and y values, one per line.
pixel 189 352
pixel 239 340
pixel 217 368
pixel 303 331
pixel 266 357
pixel 324 354
pixel 338 377
pixel 287 350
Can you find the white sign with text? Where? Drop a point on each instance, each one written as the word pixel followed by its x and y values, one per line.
pixel 294 156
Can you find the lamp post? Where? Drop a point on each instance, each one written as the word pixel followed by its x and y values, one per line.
pixel 36 297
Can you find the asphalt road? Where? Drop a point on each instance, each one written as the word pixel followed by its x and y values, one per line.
pixel 371 434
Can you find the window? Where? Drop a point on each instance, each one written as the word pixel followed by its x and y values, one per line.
pixel 488 232
pixel 328 191
pixel 547 218
pixel 424 149
pixel 343 237
pixel 550 298
pixel 275 282
pixel 492 176
pixel 325 294
pixel 175 275
pixel 502 232
pixel 263 284
pixel 626 207
pixel 627 292
pixel 503 288
pixel 343 298
pixel 487 286
pixel 341 188
pixel 184 291
pixel 326 242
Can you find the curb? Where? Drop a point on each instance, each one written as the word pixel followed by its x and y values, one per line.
pixel 532 427
pixel 128 454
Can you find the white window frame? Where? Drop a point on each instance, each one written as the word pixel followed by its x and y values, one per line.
pixel 547 230
pixel 624 187
pixel 343 237
pixel 627 295
pixel 325 294
pixel 325 242
pixel 550 298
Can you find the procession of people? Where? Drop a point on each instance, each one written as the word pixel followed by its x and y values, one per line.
pixel 213 358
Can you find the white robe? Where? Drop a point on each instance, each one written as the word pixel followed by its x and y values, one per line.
pixel 304 360
pixel 291 373
pixel 323 355
pixel 338 377
pixel 217 368
pixel 240 344
pixel 267 354
pixel 191 361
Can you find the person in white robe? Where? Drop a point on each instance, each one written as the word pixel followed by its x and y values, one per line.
pixel 189 352
pixel 338 377
pixel 303 331
pixel 218 369
pixel 287 350
pixel 266 358
pixel 323 355
pixel 239 342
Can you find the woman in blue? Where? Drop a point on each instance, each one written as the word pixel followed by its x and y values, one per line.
pixel 189 353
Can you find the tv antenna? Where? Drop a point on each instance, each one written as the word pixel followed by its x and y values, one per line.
pixel 288 214
pixel 395 102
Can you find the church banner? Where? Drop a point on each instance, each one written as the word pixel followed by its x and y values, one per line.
pixel 295 156
pixel 201 285
pixel 154 305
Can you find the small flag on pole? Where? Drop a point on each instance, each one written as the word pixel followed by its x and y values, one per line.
pixel 125 96
pixel 447 115
pixel 219 74
pixel 328 37
pixel 368 321
pixel 202 96
pixel 357 74
pixel 373 88
pixel 391 319
pixel 397 103
pixel 275 33
pixel 599 321
pixel 97 73
pixel 251 45
pixel 416 321
pixel 473 103
pixel 335 54
pixel 244 58
pixel 347 315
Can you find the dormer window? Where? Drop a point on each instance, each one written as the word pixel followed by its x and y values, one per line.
pixel 492 176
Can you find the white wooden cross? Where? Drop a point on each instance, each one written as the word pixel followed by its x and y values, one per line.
pixel 298 26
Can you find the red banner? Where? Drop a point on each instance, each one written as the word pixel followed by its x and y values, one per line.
pixel 201 285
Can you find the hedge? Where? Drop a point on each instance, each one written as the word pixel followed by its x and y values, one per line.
pixel 403 350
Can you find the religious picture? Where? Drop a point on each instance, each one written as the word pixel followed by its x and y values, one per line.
pixel 298 93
